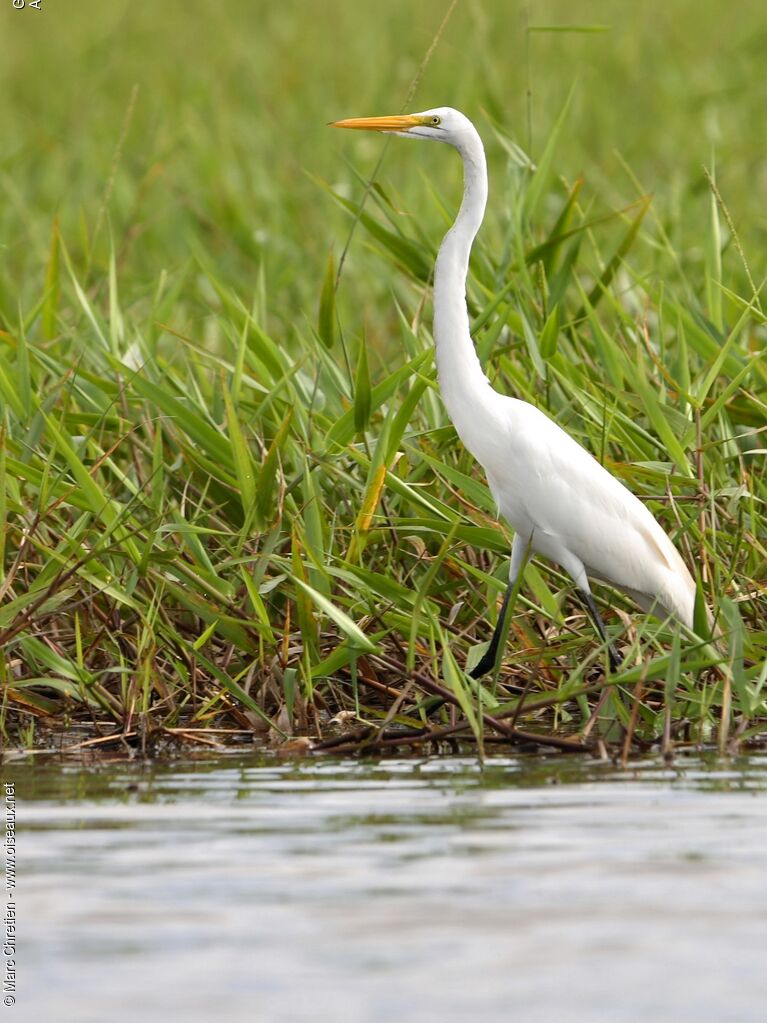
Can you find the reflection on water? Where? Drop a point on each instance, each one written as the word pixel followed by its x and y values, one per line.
pixel 535 889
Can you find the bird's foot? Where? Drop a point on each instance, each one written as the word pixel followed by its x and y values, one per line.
pixel 485 664
pixel 614 657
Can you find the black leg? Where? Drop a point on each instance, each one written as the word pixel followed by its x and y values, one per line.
pixel 487 661
pixel 520 549
pixel 612 653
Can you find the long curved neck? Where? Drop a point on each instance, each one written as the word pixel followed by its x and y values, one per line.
pixel 461 380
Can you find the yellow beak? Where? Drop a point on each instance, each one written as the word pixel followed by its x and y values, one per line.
pixel 395 122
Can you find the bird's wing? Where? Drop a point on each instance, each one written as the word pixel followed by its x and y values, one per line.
pixel 572 500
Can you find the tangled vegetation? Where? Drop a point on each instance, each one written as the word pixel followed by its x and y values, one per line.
pixel 230 496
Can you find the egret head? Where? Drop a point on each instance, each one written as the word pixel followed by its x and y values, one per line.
pixel 442 124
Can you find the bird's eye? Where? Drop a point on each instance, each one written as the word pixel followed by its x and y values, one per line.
pixel 436 119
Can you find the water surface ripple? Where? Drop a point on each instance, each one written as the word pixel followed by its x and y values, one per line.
pixel 536 889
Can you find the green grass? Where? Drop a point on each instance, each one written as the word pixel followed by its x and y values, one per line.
pixel 230 493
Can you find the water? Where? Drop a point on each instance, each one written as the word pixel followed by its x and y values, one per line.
pixel 537 890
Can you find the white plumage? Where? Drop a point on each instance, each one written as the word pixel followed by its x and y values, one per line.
pixel 559 500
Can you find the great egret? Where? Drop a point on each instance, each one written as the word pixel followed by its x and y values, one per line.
pixel 559 500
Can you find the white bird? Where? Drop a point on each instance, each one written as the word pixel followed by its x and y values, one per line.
pixel 558 499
